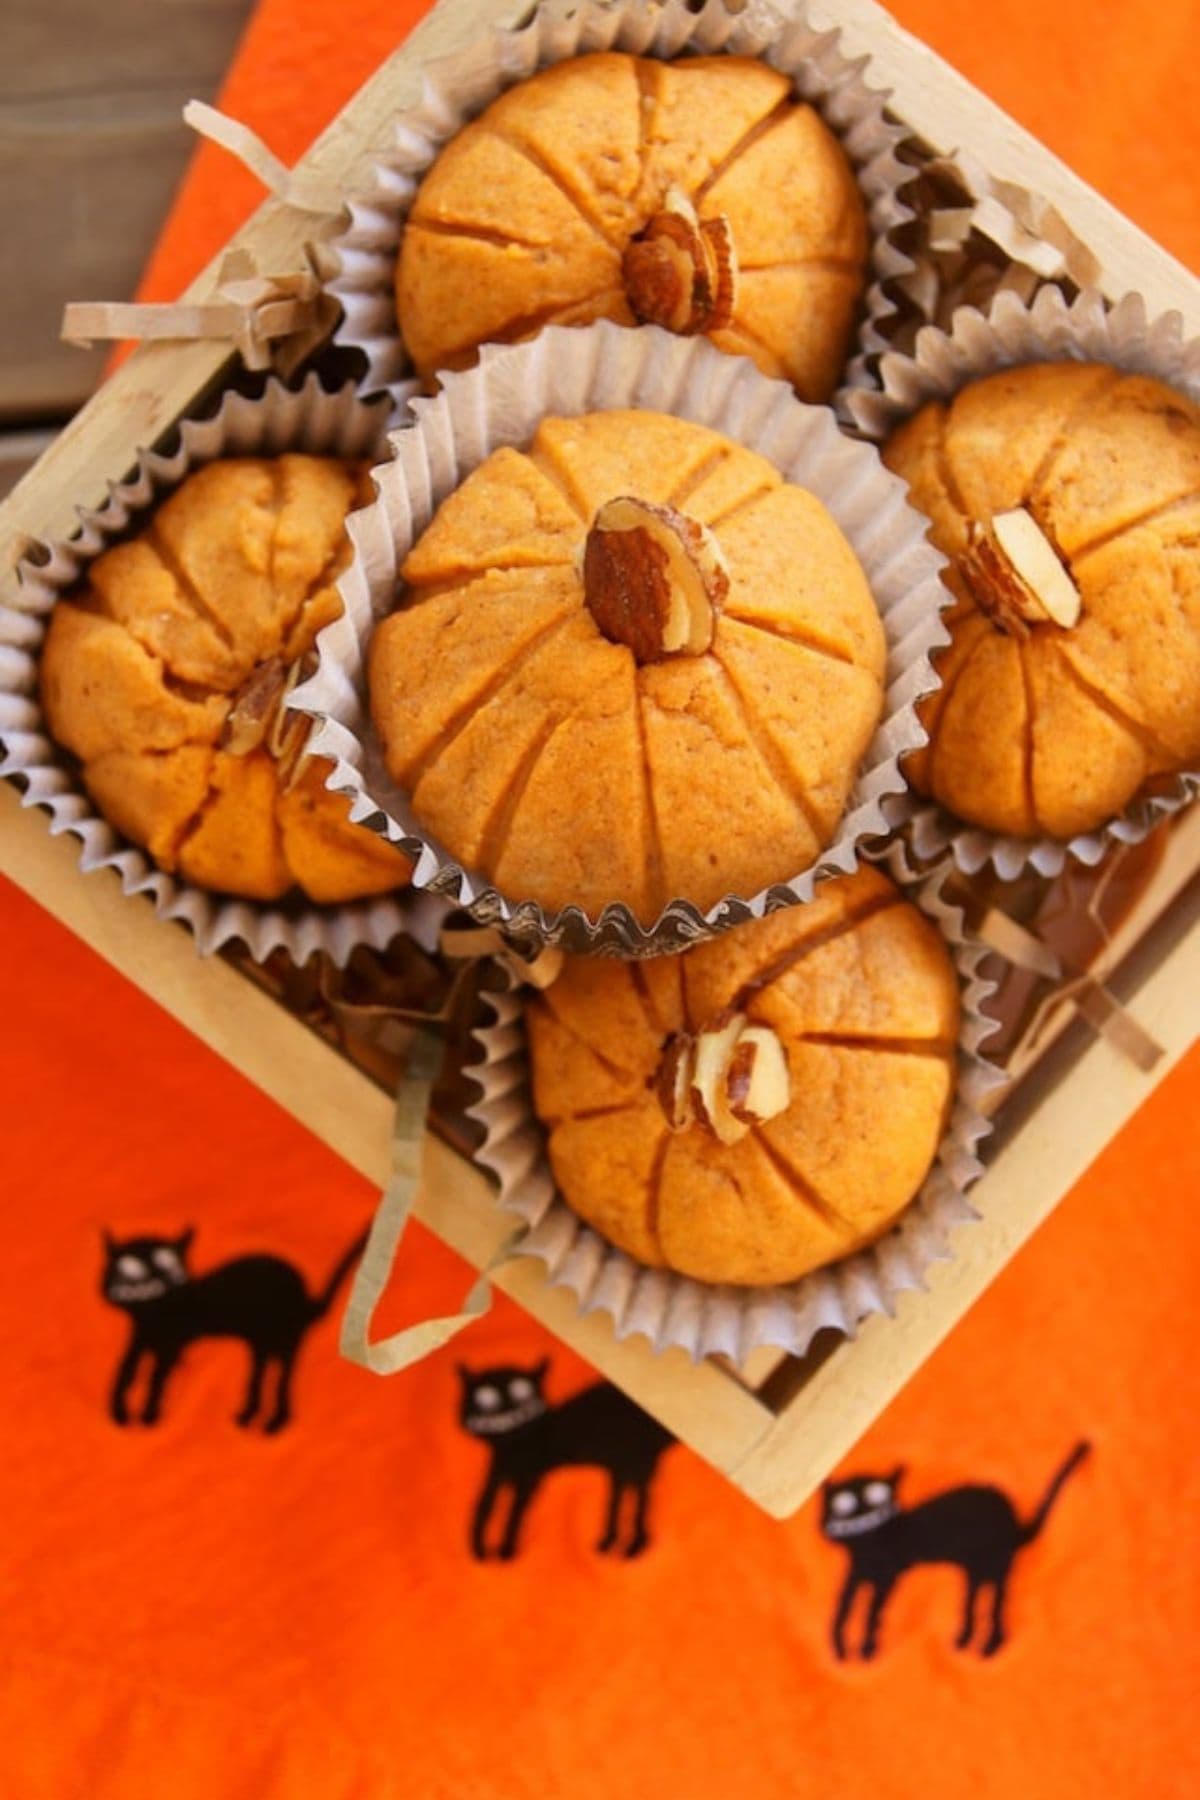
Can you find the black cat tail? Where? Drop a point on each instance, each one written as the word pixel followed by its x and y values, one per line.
pixel 1057 1483
pixel 322 1302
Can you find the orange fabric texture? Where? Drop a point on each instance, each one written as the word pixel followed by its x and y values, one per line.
pixel 196 1610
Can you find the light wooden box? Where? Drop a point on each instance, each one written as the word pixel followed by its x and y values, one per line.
pixel 776 1428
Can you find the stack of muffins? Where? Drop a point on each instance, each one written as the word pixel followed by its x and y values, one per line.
pixel 628 668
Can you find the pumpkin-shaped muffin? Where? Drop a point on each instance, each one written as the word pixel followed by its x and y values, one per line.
pixel 166 676
pixel 758 1106
pixel 630 664
pixel 699 195
pixel 1067 496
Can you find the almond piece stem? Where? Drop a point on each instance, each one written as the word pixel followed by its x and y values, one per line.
pixel 1016 575
pixel 252 714
pixel 681 271
pixel 653 579
pixel 729 1077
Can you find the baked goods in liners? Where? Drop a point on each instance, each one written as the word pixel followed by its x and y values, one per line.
pixel 630 664
pixel 760 1105
pixel 1067 496
pixel 166 675
pixel 699 195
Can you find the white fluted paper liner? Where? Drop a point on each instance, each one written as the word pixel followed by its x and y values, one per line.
pixel 307 419
pixel 501 401
pixel 963 216
pixel 703 1319
pixel 1049 329
pixel 457 88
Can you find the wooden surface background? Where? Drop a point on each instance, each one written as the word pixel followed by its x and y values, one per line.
pixel 92 146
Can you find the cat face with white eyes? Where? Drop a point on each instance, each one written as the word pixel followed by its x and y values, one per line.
pixel 501 1400
pixel 863 1504
pixel 137 1270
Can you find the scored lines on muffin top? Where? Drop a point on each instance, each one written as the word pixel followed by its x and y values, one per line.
pixel 558 476
pixel 645 76
pixel 477 233
pixel 1157 754
pixel 817 264
pixel 941 1048
pixel 150 534
pixel 550 461
pixel 418 592
pixel 646 72
pixel 793 633
pixel 768 753
pixel 564 185
pixel 694 480
pixel 469 709
pixel 192 824
pixel 1151 744
pixel 683 490
pixel 589 1113
pixel 496 826
pixel 558 312
pixel 1026 734
pixel 772 970
pixel 981 630
pixel 654 1186
pixel 621 1071
pixel 743 1000
pixel 1151 516
pixel 1102 386
pixel 542 458
pixel 800 1185
pixel 778 113
pixel 185 587
pixel 950 487
pixel 641 988
pixel 735 509
pixel 175 787
pixel 642 1100
pixel 1100 391
pixel 654 858
pixel 186 591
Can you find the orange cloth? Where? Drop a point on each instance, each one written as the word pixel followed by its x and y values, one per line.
pixel 197 1611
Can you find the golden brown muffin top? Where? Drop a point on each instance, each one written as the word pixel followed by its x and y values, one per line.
pixel 669 1127
pixel 550 744
pixel 699 195
pixel 1050 724
pixel 166 675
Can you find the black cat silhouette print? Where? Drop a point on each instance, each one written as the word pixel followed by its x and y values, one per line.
pixel 976 1529
pixel 259 1299
pixel 529 1437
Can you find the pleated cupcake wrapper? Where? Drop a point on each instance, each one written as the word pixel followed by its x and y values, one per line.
pixel 703 1319
pixel 1011 332
pixel 305 419
pixel 568 372
pixel 456 88
pixel 975 236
